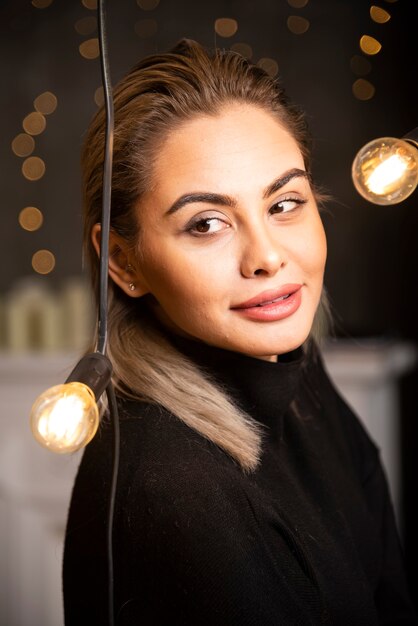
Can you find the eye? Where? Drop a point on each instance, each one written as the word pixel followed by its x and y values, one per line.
pixel 206 226
pixel 287 205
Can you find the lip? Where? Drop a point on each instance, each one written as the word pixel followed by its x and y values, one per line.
pixel 268 296
pixel 265 307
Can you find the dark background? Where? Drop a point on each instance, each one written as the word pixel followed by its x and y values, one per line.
pixel 372 261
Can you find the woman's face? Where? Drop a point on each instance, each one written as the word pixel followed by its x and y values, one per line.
pixel 232 247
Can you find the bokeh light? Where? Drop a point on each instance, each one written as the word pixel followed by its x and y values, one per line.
pixel 297 25
pixel 34 123
pixel 41 4
pixel 23 145
pixel 99 96
pixel 379 15
pixel 226 26
pixel 148 5
pixel 89 49
pixel 33 168
pixel 363 89
pixel 146 28
pixel 297 4
pixel 244 49
pixel 269 65
pixel 370 45
pixel 86 25
pixel 360 65
pixel 43 261
pixel 89 4
pixel 46 103
pixel 31 218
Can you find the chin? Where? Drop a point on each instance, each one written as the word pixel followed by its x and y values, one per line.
pixel 280 342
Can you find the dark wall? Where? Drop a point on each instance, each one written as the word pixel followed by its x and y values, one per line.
pixel 372 258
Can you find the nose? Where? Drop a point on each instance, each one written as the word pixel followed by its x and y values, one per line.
pixel 262 253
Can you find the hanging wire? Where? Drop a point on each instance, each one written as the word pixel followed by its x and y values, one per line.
pixel 107 180
pixel 103 292
pixel 113 408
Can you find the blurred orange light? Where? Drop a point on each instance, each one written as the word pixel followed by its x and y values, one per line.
pixel 363 89
pixel 33 168
pixel 297 25
pixel 226 26
pixel 89 49
pixel 370 45
pixel 43 261
pixel 23 145
pixel 30 218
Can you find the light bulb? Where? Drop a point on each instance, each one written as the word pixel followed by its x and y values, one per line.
pixel 65 418
pixel 385 171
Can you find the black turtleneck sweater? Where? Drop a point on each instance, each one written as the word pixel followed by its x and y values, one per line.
pixel 308 538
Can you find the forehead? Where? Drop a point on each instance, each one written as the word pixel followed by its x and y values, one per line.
pixel 241 145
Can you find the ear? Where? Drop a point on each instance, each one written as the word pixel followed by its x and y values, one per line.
pixel 123 267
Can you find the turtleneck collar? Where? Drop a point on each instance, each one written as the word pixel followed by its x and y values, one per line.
pixel 263 389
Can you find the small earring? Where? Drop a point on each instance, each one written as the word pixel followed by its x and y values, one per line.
pixel 129 267
pixel 132 287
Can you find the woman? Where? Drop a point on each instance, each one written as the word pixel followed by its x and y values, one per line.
pixel 248 492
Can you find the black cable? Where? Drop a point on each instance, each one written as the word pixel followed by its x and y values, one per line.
pixel 113 409
pixel 103 290
pixel 107 180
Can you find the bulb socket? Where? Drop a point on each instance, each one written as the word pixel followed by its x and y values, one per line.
pixel 94 370
pixel 412 137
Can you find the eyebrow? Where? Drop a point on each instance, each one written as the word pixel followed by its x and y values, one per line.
pixel 225 200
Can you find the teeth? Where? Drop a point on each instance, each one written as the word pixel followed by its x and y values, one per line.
pixel 276 300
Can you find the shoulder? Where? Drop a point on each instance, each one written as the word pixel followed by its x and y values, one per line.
pixel 172 482
pixel 159 454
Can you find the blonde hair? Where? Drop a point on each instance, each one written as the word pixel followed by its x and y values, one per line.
pixel 160 93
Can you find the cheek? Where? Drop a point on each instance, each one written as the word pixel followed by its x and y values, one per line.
pixel 313 251
pixel 177 278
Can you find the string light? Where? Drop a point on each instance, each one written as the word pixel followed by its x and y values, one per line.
pixel 42 4
pixel 363 89
pixel 148 5
pixel 46 103
pixel 269 65
pixel 297 25
pixel 34 123
pixel 385 170
pixel 33 168
pixel 43 261
pixel 297 4
pixel 99 96
pixel 65 417
pixel 226 26
pixel 89 49
pixel 378 15
pixel 86 25
pixel 243 49
pixel 30 218
pixel 370 45
pixel 23 145
pixel 89 4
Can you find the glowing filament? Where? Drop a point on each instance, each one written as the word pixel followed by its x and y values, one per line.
pixel 65 417
pixel 386 174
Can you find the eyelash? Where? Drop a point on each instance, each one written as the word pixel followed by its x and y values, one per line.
pixel 192 226
pixel 298 201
